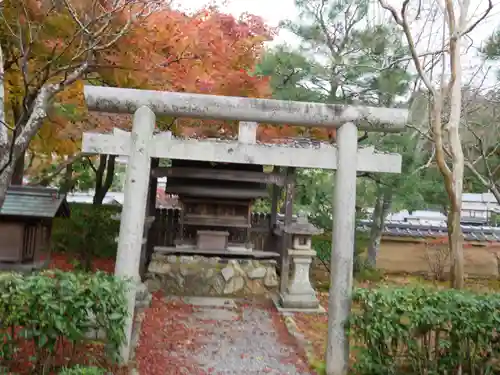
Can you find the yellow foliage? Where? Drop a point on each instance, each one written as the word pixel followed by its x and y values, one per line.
pixel 42 42
pixel 208 52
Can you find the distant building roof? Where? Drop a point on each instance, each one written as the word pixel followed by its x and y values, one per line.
pixel 111 198
pixel 405 229
pixel 482 198
pixel 163 200
pixel 39 202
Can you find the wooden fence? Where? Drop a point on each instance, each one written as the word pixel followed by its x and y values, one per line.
pixel 165 228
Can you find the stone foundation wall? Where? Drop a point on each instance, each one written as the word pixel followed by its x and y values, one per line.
pixel 210 276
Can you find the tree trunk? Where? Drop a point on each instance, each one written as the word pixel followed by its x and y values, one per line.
pixel 12 149
pixel 5 178
pixel 18 174
pixel 106 164
pixel 496 193
pixel 457 155
pixel 382 207
pixel 10 153
pixel 47 179
pixel 4 137
pixel 68 183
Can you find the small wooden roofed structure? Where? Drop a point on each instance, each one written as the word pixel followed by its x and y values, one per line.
pixel 216 202
pixel 26 219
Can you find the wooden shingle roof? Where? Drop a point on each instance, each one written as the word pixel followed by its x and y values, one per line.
pixel 36 202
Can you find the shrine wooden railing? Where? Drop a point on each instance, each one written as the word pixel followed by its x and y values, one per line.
pixel 166 228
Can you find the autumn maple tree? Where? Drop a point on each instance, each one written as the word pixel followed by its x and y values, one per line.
pixel 205 52
pixel 46 47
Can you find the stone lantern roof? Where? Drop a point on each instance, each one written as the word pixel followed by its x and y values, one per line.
pixel 302 226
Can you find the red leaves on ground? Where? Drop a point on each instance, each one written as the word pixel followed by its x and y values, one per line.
pixel 66 262
pixel 88 353
pixel 314 327
pixel 165 341
pixel 85 354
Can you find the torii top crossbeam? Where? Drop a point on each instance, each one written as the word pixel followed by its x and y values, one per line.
pixel 117 100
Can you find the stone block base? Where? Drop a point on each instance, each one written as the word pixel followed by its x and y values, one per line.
pixel 299 301
pixel 210 276
pixel 287 311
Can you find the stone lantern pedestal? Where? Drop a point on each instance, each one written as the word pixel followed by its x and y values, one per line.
pixel 299 293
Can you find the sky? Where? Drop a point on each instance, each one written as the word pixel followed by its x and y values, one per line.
pixel 274 11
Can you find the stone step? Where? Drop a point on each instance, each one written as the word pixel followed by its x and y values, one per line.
pixel 210 302
pixel 216 314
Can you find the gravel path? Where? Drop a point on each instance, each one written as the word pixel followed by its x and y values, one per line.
pixel 241 338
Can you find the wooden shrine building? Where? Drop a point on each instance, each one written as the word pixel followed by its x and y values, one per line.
pixel 216 206
pixel 26 219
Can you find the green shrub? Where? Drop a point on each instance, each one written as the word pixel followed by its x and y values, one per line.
pixel 367 273
pixel 81 370
pixel 89 232
pixel 323 246
pixel 425 331
pixel 52 311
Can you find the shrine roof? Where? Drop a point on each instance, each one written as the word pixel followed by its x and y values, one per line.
pixel 36 202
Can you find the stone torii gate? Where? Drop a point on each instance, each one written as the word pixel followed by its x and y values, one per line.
pixel 142 144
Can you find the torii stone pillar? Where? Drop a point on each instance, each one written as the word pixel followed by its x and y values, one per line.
pixel 342 257
pixel 345 158
pixel 134 213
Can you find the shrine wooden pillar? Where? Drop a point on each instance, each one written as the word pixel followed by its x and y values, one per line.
pixel 151 212
pixel 286 240
pixel 271 242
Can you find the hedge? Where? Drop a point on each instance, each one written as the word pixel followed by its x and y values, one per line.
pixel 425 331
pixel 323 246
pixel 89 232
pixel 47 315
pixel 81 370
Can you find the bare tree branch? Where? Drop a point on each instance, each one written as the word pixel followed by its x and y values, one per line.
pixel 479 20
pixel 96 27
pixel 4 137
pixel 403 22
pixel 45 180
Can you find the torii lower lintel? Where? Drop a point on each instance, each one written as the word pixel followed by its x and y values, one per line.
pixel 322 156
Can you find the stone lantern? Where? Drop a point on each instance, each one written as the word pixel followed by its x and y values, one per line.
pixel 300 293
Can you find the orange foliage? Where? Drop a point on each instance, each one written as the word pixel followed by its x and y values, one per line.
pixel 277 133
pixel 42 43
pixel 207 52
